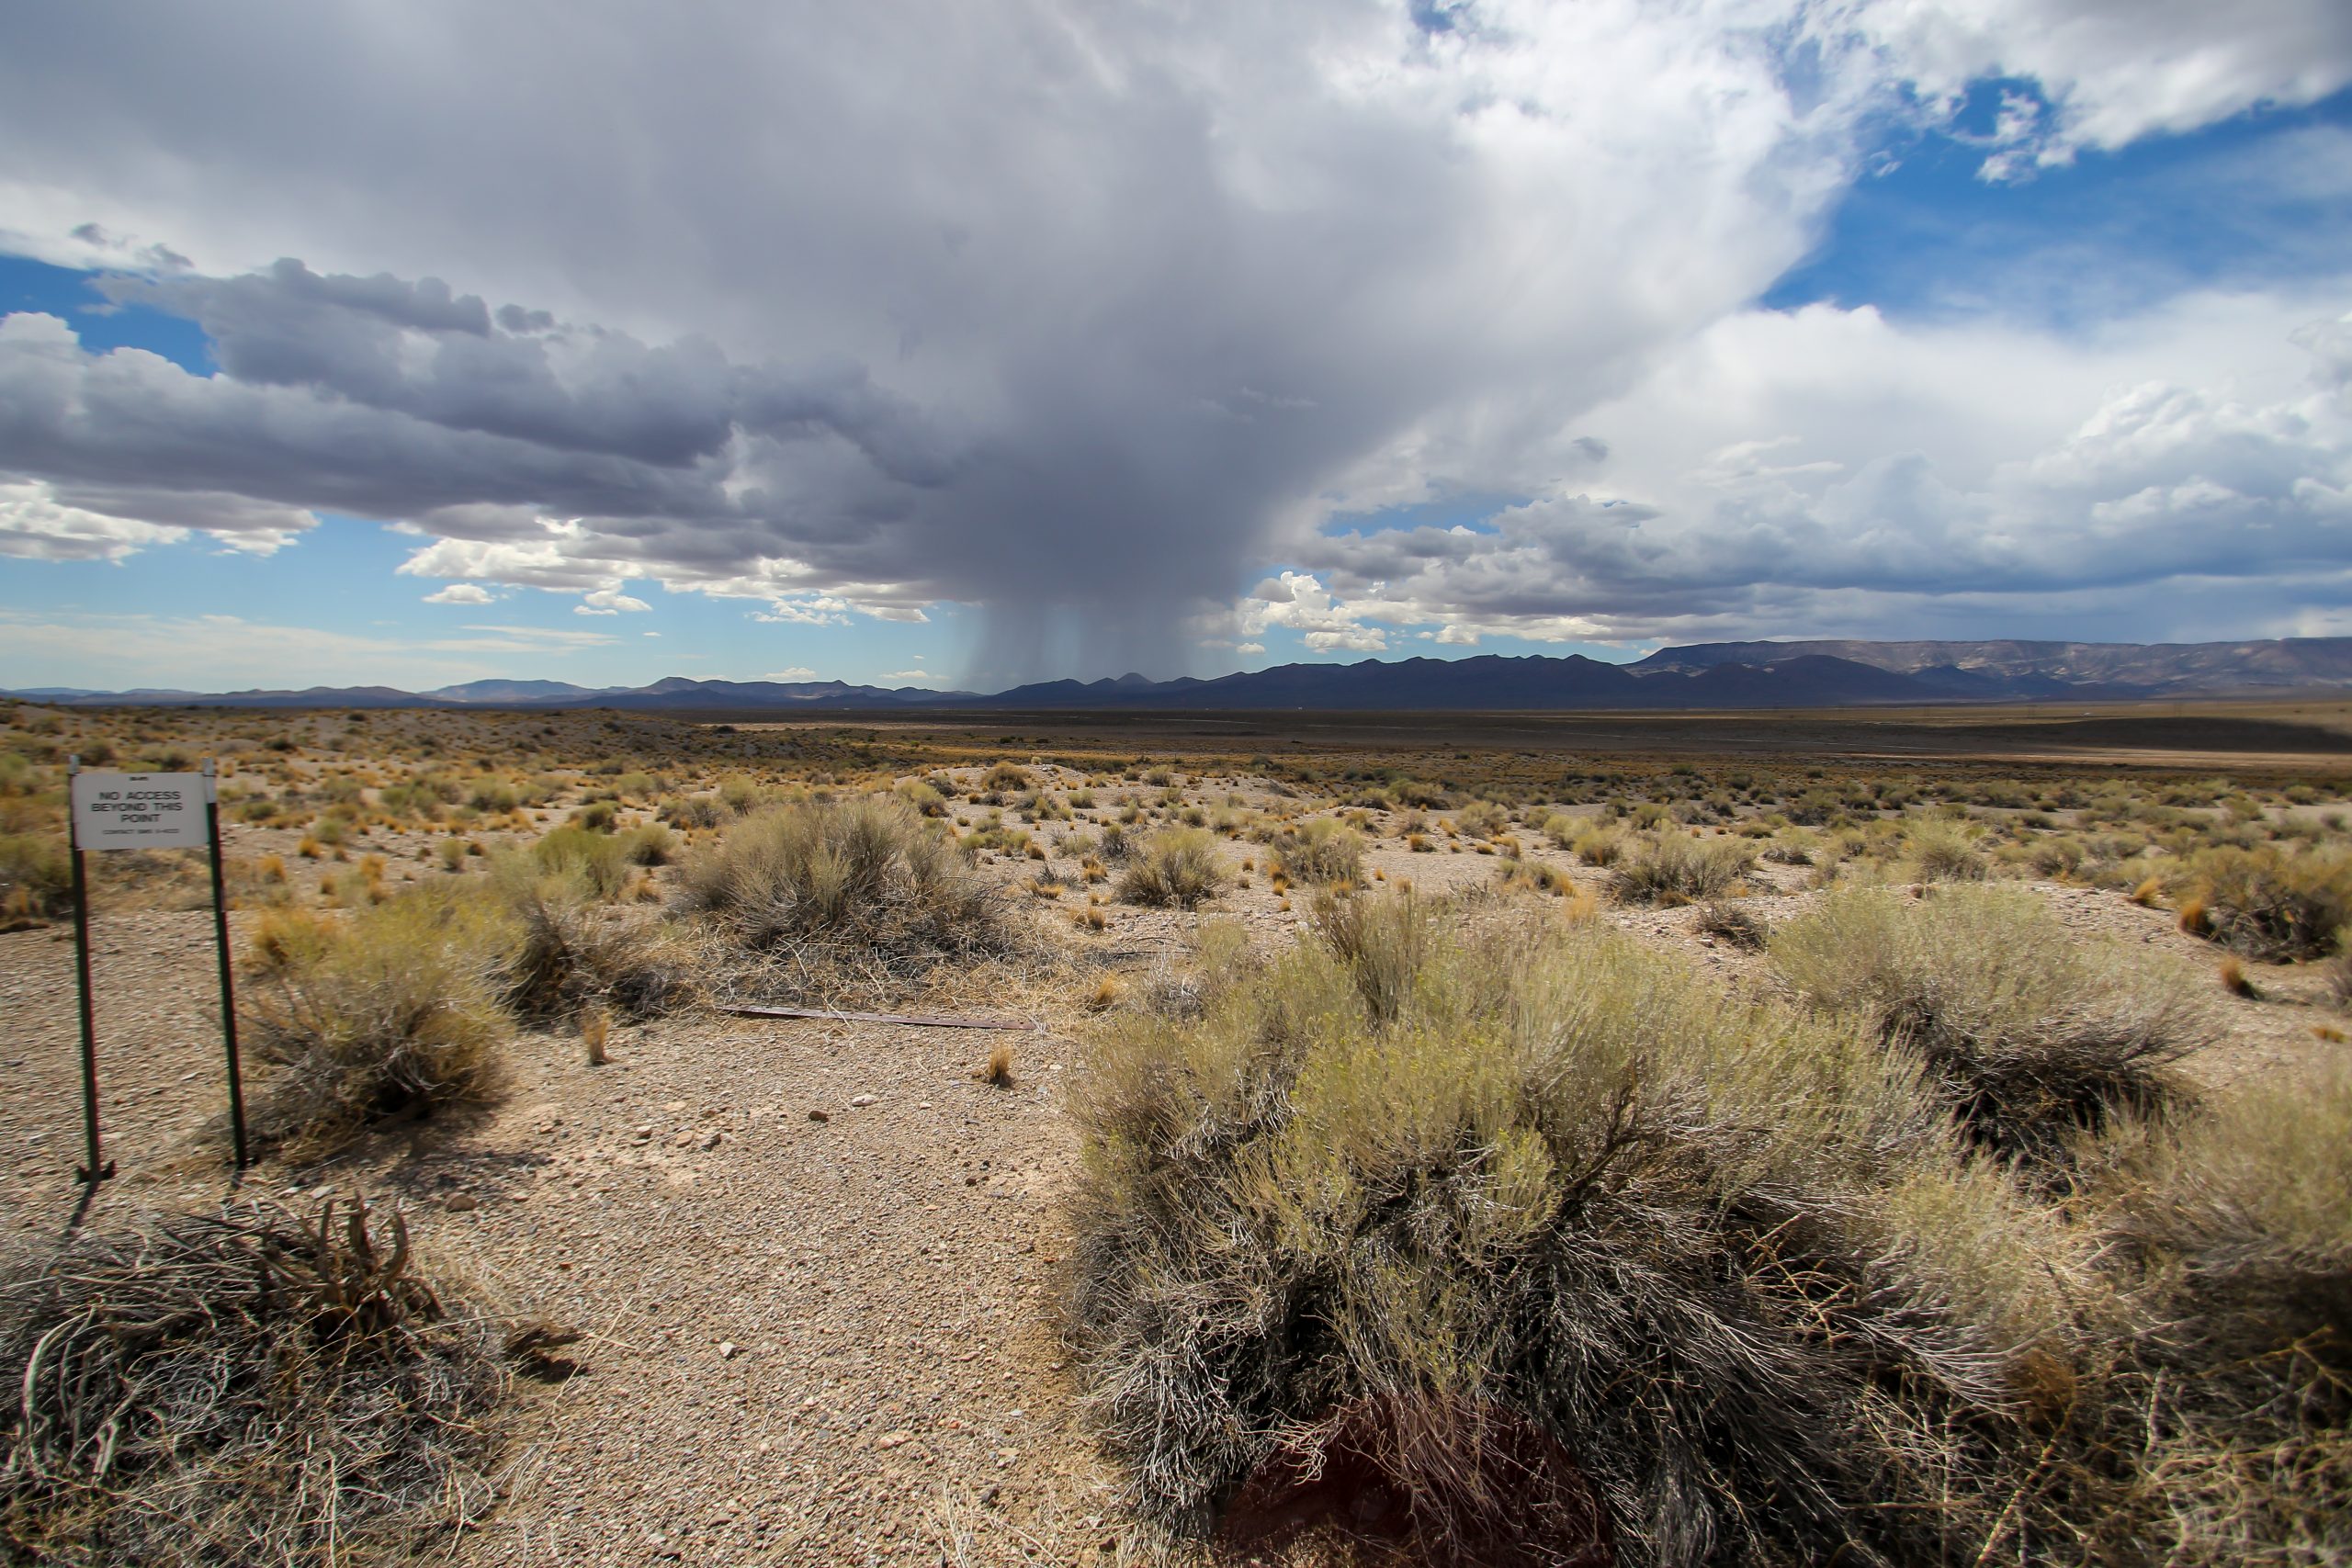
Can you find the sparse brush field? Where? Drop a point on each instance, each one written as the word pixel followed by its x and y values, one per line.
pixel 1876 1139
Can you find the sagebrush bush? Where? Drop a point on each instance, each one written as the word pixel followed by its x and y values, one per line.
pixel 1945 852
pixel 1178 867
pixel 2272 903
pixel 2031 1033
pixel 1723 1254
pixel 867 874
pixel 396 1011
pixel 1670 869
pixel 2238 1419
pixel 1320 853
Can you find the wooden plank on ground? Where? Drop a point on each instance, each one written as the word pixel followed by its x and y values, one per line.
pixel 918 1020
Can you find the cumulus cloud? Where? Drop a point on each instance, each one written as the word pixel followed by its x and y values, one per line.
pixel 609 601
pixel 797 673
pixel 1113 320
pixel 1909 472
pixel 461 593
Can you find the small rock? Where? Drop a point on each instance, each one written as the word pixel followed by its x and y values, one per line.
pixel 892 1439
pixel 727 1352
pixel 861 1101
pixel 711 1139
pixel 818 1116
pixel 460 1203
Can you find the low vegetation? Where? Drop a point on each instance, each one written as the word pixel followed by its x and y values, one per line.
pixel 1672 869
pixel 397 1010
pixel 246 1389
pixel 2029 1036
pixel 1543 1176
pixel 1178 868
pixel 866 879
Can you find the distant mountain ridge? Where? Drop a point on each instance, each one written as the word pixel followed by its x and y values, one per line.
pixel 1729 675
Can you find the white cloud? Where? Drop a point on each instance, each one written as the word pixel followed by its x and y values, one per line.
pixel 609 601
pixel 461 593
pixel 797 673
pixel 35 524
pixel 909 676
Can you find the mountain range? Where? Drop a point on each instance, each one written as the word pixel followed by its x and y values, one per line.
pixel 1698 676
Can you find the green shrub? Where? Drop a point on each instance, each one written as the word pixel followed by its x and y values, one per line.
pixel 867 874
pixel 2031 1034
pixel 1178 867
pixel 1320 854
pixel 1481 819
pixel 2269 903
pixel 395 1011
pixel 1721 1254
pixel 1672 869
pixel 1599 844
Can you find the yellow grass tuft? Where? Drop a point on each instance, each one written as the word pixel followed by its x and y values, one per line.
pixel 997 1069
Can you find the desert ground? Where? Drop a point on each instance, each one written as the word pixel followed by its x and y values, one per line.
pixel 812 1270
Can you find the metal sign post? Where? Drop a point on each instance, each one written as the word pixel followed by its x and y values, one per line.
pixel 92 1172
pixel 146 811
pixel 228 969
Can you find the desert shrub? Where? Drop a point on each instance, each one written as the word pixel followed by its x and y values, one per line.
pixel 2239 1417
pixel 1670 869
pixel 241 1389
pixel 1005 777
pixel 647 844
pixel 2031 1034
pixel 567 957
pixel 1561 828
pixel 1944 852
pixel 694 811
pixel 923 798
pixel 864 874
pixel 1599 845
pixel 1401 1188
pixel 1320 853
pixel 1732 921
pixel 1481 819
pixel 599 860
pixel 396 1011
pixel 1178 867
pixel 2268 903
pixel 36 877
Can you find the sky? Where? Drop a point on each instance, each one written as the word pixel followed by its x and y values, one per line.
pixel 946 345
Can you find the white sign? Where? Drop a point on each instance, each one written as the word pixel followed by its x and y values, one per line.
pixel 138 811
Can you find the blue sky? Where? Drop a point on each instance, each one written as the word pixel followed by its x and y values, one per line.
pixel 1531 341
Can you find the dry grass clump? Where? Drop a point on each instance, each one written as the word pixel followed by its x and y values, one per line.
pixel 245 1389
pixel 1670 869
pixel 2239 1433
pixel 865 877
pixel 396 1011
pixel 2269 903
pixel 1718 1253
pixel 2031 1034
pixel 1320 853
pixel 1178 867
pixel 1729 921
